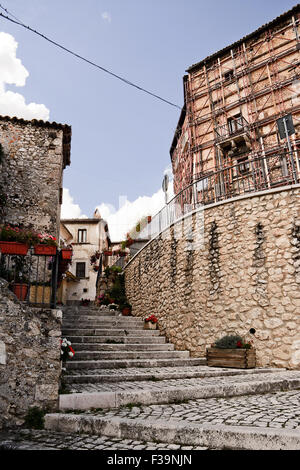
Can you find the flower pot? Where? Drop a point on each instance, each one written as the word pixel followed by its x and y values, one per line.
pixel 66 254
pixel 13 248
pixel 20 290
pixel 148 325
pixel 126 311
pixel 232 358
pixel 47 250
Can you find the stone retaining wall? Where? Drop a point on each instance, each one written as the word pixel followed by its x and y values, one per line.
pixel 227 269
pixel 30 364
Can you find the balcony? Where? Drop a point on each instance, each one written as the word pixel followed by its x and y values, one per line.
pixel 236 130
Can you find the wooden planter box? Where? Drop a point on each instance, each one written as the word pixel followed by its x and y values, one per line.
pixel 233 358
pixel 13 248
pixel 148 325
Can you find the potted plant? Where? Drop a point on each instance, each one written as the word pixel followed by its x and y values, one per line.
pixel 14 240
pixel 66 350
pixel 66 253
pixel 126 308
pixel 231 351
pixel 19 285
pixel 46 245
pixel 150 323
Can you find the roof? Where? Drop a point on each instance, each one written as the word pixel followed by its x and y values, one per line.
pixel 81 221
pixel 71 276
pixel 67 132
pixel 272 23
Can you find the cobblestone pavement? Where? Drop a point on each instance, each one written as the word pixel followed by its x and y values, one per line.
pixel 279 410
pixel 25 439
pixel 272 410
pixel 184 383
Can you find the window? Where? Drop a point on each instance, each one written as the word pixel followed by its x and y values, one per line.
pixel 235 123
pixel 243 165
pixel 80 269
pixel 82 236
pixel 228 76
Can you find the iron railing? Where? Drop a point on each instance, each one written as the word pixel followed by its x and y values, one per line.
pixel 248 176
pixel 233 127
pixel 32 278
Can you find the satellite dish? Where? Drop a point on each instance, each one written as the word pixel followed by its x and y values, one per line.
pixel 165 183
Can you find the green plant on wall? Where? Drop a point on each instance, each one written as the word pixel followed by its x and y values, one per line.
pixel 3 202
pixel 1 153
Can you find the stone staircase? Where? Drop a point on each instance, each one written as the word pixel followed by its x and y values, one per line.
pixel 131 383
pixel 111 348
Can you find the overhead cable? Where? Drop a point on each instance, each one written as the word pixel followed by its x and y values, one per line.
pixel 18 22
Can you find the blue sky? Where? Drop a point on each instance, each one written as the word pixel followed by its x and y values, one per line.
pixel 120 136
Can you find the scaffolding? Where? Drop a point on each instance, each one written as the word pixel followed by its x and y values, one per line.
pixel 255 81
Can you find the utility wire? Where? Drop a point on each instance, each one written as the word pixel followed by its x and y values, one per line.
pixel 9 13
pixel 18 22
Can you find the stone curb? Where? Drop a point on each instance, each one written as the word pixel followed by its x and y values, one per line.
pixel 217 437
pixel 84 401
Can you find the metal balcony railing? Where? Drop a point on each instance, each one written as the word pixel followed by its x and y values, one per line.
pixel 234 126
pixel 248 176
pixel 32 278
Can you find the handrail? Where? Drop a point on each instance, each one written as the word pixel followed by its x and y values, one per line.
pixel 261 173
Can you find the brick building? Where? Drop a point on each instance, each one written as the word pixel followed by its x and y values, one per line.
pixel 227 135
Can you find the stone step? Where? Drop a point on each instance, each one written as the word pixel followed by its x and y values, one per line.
pixel 90 311
pixel 107 319
pixel 104 324
pixel 124 355
pixel 115 395
pixel 128 363
pixel 170 431
pixel 118 339
pixel 108 332
pixel 155 374
pixel 122 347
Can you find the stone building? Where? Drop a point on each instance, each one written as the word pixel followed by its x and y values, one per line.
pixel 33 155
pixel 87 236
pixel 224 253
pixel 228 125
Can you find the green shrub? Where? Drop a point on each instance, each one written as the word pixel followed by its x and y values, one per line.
pixel 228 342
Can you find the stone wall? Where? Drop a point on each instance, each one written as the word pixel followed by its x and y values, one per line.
pixel 229 268
pixel 30 364
pixel 33 156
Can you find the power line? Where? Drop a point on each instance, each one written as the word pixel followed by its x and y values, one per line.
pixel 9 13
pixel 19 23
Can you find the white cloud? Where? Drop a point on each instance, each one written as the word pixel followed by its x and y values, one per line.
pixel 106 16
pixel 123 219
pixel 14 73
pixel 69 210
